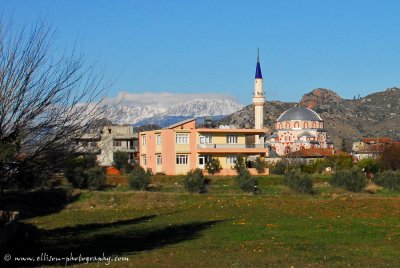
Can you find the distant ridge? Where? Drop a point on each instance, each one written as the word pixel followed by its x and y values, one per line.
pixel 146 115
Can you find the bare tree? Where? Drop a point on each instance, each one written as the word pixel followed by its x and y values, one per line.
pixel 45 102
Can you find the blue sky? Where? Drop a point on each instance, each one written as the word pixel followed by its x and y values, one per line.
pixel 349 46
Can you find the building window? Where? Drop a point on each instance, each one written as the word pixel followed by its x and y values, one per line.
pixel 205 139
pixel 158 139
pixel 306 125
pixel 144 160
pixel 230 159
pixel 144 140
pixel 159 159
pixel 117 143
pixel 182 159
pixel 93 144
pixel 287 125
pixel 232 139
pixel 182 138
pixel 296 125
pixel 84 143
pixel 314 125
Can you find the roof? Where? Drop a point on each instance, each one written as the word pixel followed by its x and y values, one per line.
pixel 377 140
pixel 299 113
pixel 258 70
pixel 180 123
pixel 317 152
pixel 231 130
pixel 305 134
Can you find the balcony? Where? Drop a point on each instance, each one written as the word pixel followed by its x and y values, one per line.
pixel 88 149
pixel 129 149
pixel 125 136
pixel 231 148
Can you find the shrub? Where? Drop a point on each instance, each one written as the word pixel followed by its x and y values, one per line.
pixel 246 182
pixel 340 162
pixel 388 179
pixel 139 179
pixel 194 181
pixel 260 165
pixel 298 181
pixel 279 167
pixel 240 164
pixel 353 180
pixel 214 166
pixel 121 162
pixel 316 167
pixel 370 165
pixel 83 172
pixel 96 179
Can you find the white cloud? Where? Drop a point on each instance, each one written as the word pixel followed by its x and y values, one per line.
pixel 160 99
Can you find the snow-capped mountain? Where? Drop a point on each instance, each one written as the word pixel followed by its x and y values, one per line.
pixel 141 115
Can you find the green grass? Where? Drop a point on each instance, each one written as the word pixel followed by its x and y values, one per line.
pixel 225 228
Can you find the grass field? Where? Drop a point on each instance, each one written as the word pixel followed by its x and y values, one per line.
pixel 224 228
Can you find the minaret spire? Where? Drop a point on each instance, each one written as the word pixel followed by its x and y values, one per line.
pixel 258 66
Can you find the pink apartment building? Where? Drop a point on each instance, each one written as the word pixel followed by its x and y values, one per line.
pixel 182 147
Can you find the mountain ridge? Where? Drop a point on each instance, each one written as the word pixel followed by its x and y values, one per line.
pixel 146 114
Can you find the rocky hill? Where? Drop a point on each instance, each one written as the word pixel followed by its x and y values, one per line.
pixel 375 115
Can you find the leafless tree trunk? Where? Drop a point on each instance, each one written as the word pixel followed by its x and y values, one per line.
pixel 45 103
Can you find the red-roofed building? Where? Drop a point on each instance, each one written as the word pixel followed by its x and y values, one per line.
pixel 371 147
pixel 316 153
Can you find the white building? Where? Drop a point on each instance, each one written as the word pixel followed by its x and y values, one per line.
pixel 108 140
pixel 296 129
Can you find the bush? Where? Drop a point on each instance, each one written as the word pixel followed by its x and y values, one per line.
pixel 214 166
pixel 240 164
pixel 246 182
pixel 340 162
pixel 316 167
pixel 353 180
pixel 370 165
pixel 279 167
pixel 298 181
pixel 260 165
pixel 121 162
pixel 96 179
pixel 388 179
pixel 195 182
pixel 83 172
pixel 139 179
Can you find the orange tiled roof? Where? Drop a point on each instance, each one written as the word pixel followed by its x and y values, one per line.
pixel 317 152
pixel 377 140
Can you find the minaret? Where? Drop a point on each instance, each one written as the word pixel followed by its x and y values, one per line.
pixel 258 99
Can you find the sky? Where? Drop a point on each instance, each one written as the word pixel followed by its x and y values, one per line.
pixel 210 47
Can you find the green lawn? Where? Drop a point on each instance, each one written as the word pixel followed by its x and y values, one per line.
pixel 225 228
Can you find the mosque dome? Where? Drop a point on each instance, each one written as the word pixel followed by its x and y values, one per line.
pixel 299 113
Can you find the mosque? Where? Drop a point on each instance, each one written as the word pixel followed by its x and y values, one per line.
pixel 297 129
